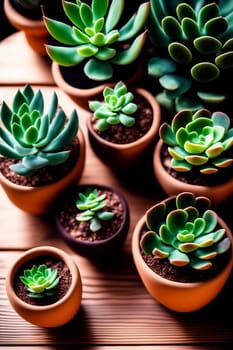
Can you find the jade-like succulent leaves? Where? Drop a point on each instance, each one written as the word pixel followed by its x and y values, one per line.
pixel 93 36
pixel 41 281
pixel 194 42
pixel 35 137
pixel 91 203
pixel 116 108
pixel 199 140
pixel 185 232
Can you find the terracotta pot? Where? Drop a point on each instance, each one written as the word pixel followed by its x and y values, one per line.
pixel 82 95
pixel 172 186
pixel 121 157
pixel 100 249
pixel 178 296
pixel 34 30
pixel 39 200
pixel 55 314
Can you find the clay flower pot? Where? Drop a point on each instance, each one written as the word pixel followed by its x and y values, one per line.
pixel 57 313
pixel 39 200
pixel 180 296
pixel 172 186
pixel 34 29
pixel 120 157
pixel 105 242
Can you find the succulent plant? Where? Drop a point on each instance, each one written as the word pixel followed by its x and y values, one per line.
pixel 93 37
pixel 91 203
pixel 40 280
pixel 185 232
pixel 199 140
pixel 116 108
pixel 194 52
pixel 35 137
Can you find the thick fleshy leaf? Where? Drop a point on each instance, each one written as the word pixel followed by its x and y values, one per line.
pixel 172 27
pixel 65 56
pixel 180 53
pixel 62 32
pixel 114 14
pixel 157 66
pixel 207 45
pixel 205 72
pixel 99 8
pixel 97 70
pixel 73 13
pixel 178 258
pixel 190 28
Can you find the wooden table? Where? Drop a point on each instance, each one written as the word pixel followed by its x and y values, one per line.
pixel 116 311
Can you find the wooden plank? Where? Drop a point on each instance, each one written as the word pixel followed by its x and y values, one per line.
pixel 117 310
pixel 19 63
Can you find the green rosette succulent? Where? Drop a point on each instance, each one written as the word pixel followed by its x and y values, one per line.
pixel 91 204
pixel 199 140
pixel 94 39
pixel 41 281
pixel 194 52
pixel 117 107
pixel 185 232
pixel 33 136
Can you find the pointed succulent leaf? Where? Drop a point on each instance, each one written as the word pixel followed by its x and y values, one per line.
pixel 72 11
pixel 20 169
pixel 60 31
pixel 136 23
pixel 67 56
pixel 86 14
pixel 114 14
pixel 99 8
pixel 131 54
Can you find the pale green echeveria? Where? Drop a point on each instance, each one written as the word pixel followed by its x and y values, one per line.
pixel 93 36
pixel 197 38
pixel 36 137
pixel 185 233
pixel 199 140
pixel 92 205
pixel 40 280
pixel 116 108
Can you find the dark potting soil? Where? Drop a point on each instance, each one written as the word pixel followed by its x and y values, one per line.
pixel 184 273
pixel 121 134
pixel 80 230
pixel 43 176
pixel 64 274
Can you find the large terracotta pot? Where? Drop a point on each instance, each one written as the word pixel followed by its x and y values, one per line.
pixel 58 313
pixel 171 186
pixel 98 249
pixel 178 296
pixel 39 200
pixel 34 30
pixel 121 157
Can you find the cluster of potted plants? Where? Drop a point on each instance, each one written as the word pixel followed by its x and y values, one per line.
pixel 189 51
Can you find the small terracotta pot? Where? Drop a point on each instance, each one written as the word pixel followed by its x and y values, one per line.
pixel 100 249
pixel 171 186
pixel 126 156
pixel 178 296
pixel 39 200
pixel 52 315
pixel 82 95
pixel 34 30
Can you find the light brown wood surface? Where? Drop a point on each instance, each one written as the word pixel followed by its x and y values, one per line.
pixel 116 312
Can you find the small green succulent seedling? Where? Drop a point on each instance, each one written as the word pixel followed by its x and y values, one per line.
pixel 185 232
pixel 194 55
pixel 92 37
pixel 116 108
pixel 91 204
pixel 33 136
pixel 199 140
pixel 41 281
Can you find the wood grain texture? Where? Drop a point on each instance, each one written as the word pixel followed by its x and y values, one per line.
pixel 116 312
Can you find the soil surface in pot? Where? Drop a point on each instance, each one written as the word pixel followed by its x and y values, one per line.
pixel 185 273
pixel 63 285
pixel 43 176
pixel 121 134
pixel 195 177
pixel 80 230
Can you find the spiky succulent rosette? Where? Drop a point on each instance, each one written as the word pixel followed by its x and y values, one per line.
pixel 184 231
pixel 94 37
pixel 193 59
pixel 35 137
